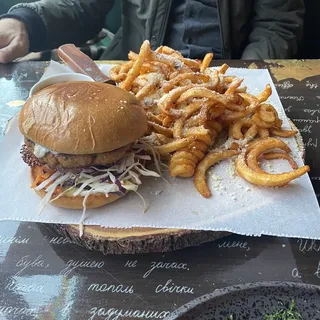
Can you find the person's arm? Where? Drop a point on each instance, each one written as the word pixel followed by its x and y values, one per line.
pixel 52 23
pixel 276 29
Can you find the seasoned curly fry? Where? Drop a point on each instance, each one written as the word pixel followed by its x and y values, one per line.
pixel 135 71
pixel 160 129
pixel 178 128
pixel 145 91
pixel 234 85
pixel 255 176
pixel 194 153
pixel 206 61
pixel 194 77
pixel 168 101
pixel 280 155
pixel 154 118
pixel 266 179
pixel 116 75
pixel 283 133
pixel 189 104
pixel 263 133
pixel 267 113
pixel 265 94
pixel 174 145
pixel 209 160
pixel 235 129
pixel 264 146
pixel 223 69
pixel 202 93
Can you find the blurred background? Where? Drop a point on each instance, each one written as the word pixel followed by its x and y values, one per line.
pixel 309 47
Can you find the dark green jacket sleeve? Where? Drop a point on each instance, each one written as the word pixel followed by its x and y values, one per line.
pixel 276 29
pixel 64 21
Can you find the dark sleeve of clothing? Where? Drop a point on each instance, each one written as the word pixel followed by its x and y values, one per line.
pixel 53 22
pixel 276 29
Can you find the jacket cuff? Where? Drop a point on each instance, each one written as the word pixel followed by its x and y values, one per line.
pixel 36 28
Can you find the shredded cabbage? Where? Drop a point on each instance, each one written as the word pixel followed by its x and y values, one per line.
pixel 122 176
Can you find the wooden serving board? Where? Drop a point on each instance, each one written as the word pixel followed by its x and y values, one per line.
pixel 144 240
pixel 136 240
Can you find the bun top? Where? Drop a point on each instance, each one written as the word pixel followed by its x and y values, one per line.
pixel 82 118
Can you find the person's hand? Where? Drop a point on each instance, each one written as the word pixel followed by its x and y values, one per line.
pixel 14 40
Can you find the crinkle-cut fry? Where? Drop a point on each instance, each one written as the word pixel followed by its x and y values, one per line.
pixel 174 145
pixel 235 129
pixel 209 160
pixel 178 128
pixel 145 91
pixel 168 101
pixel 281 155
pixel 194 77
pixel 135 70
pixel 223 69
pixel 283 133
pixel 160 129
pixel 267 179
pixel 206 62
pixel 263 133
pixel 153 118
pixel 267 113
pixel 233 86
pixel 252 157
pixel 265 94
pixel 199 92
pixel 116 75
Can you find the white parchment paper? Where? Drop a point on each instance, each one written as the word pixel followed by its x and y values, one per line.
pixel 235 206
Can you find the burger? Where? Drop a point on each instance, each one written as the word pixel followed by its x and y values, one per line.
pixel 81 142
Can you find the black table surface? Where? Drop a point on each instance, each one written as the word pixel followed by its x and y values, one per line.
pixel 45 276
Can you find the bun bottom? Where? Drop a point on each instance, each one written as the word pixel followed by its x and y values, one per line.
pixel 71 202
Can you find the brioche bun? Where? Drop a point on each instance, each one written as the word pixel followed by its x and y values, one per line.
pixel 70 202
pixel 82 118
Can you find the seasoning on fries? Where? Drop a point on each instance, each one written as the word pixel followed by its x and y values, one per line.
pixel 189 104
